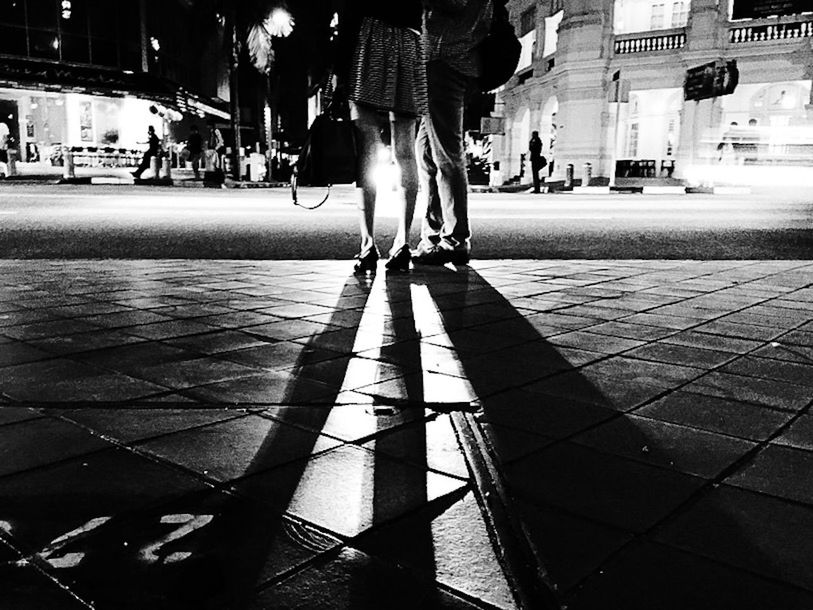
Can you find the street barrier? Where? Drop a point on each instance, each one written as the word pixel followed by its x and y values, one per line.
pixel 155 166
pixel 69 168
pixel 12 162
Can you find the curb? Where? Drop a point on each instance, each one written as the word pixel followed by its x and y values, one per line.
pixel 521 565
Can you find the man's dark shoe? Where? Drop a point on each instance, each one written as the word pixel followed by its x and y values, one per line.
pixel 441 256
pixel 459 257
pixel 430 256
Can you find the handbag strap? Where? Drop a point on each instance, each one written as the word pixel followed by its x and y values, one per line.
pixel 295 197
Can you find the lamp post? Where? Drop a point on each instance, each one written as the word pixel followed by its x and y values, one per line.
pixel 234 91
pixel 277 23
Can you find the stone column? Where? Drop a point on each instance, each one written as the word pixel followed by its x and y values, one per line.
pixel 583 56
pixel 700 121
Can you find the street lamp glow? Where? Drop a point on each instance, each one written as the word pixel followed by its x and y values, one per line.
pixel 280 23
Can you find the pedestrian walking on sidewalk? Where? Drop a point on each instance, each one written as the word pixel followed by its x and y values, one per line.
pixel 194 144
pixel 153 150
pixel 452 31
pixel 380 67
pixel 217 146
pixel 5 136
pixel 538 161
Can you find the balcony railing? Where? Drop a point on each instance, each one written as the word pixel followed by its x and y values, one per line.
pixel 648 44
pixel 770 32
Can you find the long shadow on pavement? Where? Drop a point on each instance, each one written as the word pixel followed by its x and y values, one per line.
pixel 608 500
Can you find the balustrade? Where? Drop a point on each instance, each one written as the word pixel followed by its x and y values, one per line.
pixel 771 32
pixel 648 44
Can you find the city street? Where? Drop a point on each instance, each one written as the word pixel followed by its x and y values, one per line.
pixel 531 432
pixel 211 400
pixel 148 222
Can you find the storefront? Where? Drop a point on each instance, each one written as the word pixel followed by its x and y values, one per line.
pixel 648 134
pixel 762 134
pixel 101 116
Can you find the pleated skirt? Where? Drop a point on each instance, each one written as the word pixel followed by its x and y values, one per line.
pixel 389 70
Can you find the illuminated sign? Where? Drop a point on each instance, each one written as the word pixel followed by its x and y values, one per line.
pixel 711 80
pixel 490 125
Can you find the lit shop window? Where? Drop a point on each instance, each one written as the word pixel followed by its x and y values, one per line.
pixel 645 15
pixel 671 137
pixel 632 141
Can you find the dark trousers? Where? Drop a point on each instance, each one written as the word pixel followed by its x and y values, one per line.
pixel 145 163
pixel 535 169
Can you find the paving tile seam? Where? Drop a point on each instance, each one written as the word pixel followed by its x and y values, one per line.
pixel 574 590
pixel 311 562
pixel 33 561
pixel 766 577
pixel 203 477
pixel 360 441
pixel 697 495
pixel 59 461
pixel 216 356
pixel 129 444
pixel 323 559
pixel 618 415
pixel 650 534
pixel 715 368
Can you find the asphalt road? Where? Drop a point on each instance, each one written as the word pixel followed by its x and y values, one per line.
pixel 38 221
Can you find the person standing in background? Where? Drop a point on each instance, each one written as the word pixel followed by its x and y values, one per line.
pixel 194 144
pixel 153 150
pixel 538 161
pixel 217 144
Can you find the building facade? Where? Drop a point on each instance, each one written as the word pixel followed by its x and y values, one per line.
pixel 93 74
pixel 604 83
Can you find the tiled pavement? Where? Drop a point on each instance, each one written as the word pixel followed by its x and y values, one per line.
pixel 223 434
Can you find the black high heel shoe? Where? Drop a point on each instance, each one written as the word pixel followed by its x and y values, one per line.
pixel 399 262
pixel 367 262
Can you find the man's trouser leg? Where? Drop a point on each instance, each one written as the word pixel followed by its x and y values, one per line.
pixel 145 164
pixel 432 222
pixel 444 131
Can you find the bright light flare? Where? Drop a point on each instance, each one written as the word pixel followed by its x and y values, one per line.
pixel 745 155
pixel 280 23
pixel 386 175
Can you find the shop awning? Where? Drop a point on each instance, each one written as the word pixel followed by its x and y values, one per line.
pixel 19 73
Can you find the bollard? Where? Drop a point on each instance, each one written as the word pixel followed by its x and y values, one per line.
pixel 569 176
pixel 167 169
pixel 12 162
pixel 587 176
pixel 69 167
pixel 155 166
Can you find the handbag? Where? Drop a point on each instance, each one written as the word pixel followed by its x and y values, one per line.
pixel 499 51
pixel 330 153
